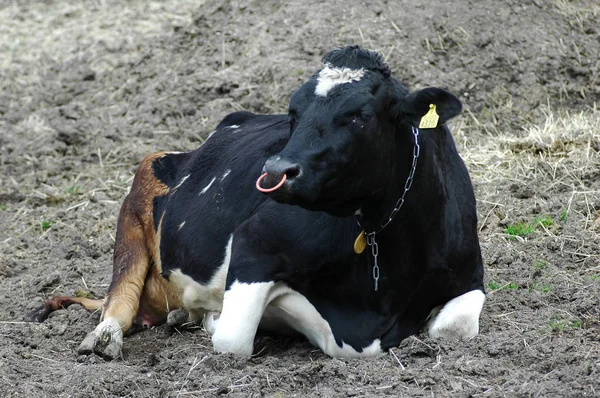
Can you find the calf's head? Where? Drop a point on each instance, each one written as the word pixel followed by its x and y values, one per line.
pixel 350 127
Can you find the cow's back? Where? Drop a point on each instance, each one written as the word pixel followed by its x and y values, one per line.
pixel 211 191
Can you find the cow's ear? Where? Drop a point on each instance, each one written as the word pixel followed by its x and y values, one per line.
pixel 430 107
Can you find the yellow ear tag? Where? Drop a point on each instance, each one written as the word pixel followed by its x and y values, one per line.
pixel 360 243
pixel 430 120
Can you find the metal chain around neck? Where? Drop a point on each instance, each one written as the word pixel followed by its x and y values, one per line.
pixel 409 180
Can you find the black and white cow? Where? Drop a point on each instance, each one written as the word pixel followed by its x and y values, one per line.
pixel 195 233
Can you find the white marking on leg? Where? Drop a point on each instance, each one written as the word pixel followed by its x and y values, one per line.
pixel 243 307
pixel 298 313
pixel 225 174
pixel 208 186
pixel 111 327
pixel 330 77
pixel 180 226
pixel 459 317
pixel 106 339
pixel 182 181
pixel 198 298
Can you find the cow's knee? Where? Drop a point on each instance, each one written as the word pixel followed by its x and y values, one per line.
pixel 458 318
pixel 106 340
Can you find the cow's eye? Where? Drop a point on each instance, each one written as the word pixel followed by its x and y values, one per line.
pixel 365 116
pixel 362 117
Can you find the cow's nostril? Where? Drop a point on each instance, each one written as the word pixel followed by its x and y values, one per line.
pixel 276 173
pixel 292 172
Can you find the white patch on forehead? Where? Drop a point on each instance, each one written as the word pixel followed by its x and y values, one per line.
pixel 330 77
pixel 208 186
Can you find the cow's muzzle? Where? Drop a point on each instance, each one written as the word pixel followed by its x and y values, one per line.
pixel 278 172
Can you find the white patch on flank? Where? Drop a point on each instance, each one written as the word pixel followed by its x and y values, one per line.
pixel 180 226
pixel 182 181
pixel 246 305
pixel 208 186
pixel 225 174
pixel 198 298
pixel 459 317
pixel 233 126
pixel 330 77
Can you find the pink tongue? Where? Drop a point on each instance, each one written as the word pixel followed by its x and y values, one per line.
pixel 276 187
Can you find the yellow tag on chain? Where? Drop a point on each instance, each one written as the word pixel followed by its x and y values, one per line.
pixel 430 120
pixel 360 243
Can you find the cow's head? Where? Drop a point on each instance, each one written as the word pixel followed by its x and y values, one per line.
pixel 350 125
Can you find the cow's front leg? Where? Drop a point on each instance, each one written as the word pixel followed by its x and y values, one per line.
pixel 458 318
pixel 243 308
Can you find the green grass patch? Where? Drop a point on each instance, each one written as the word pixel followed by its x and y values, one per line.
pixel 539 264
pixel 561 325
pixel 519 229
pixel 74 190
pixel 3 207
pixel 46 224
pixel 595 278
pixel 545 288
pixel 544 221
pixel 525 228
pixel 540 288
pixel 563 215
pixel 493 285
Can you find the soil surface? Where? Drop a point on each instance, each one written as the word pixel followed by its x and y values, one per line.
pixel 88 88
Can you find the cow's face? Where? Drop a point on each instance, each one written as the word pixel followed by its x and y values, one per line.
pixel 345 126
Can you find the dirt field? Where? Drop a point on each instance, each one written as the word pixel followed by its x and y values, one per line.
pixel 87 88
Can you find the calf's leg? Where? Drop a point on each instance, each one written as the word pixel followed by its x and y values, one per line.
pixel 130 268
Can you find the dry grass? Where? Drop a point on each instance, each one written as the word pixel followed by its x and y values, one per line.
pixel 565 141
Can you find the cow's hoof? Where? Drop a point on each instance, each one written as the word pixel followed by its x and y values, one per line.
pixel 459 318
pixel 106 340
pixel 177 317
pixel 209 322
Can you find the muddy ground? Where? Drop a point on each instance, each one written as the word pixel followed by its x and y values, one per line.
pixel 87 88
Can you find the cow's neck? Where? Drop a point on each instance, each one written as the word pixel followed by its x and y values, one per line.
pixel 378 214
pixel 380 224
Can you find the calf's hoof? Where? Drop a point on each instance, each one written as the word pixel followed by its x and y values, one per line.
pixel 106 340
pixel 177 317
